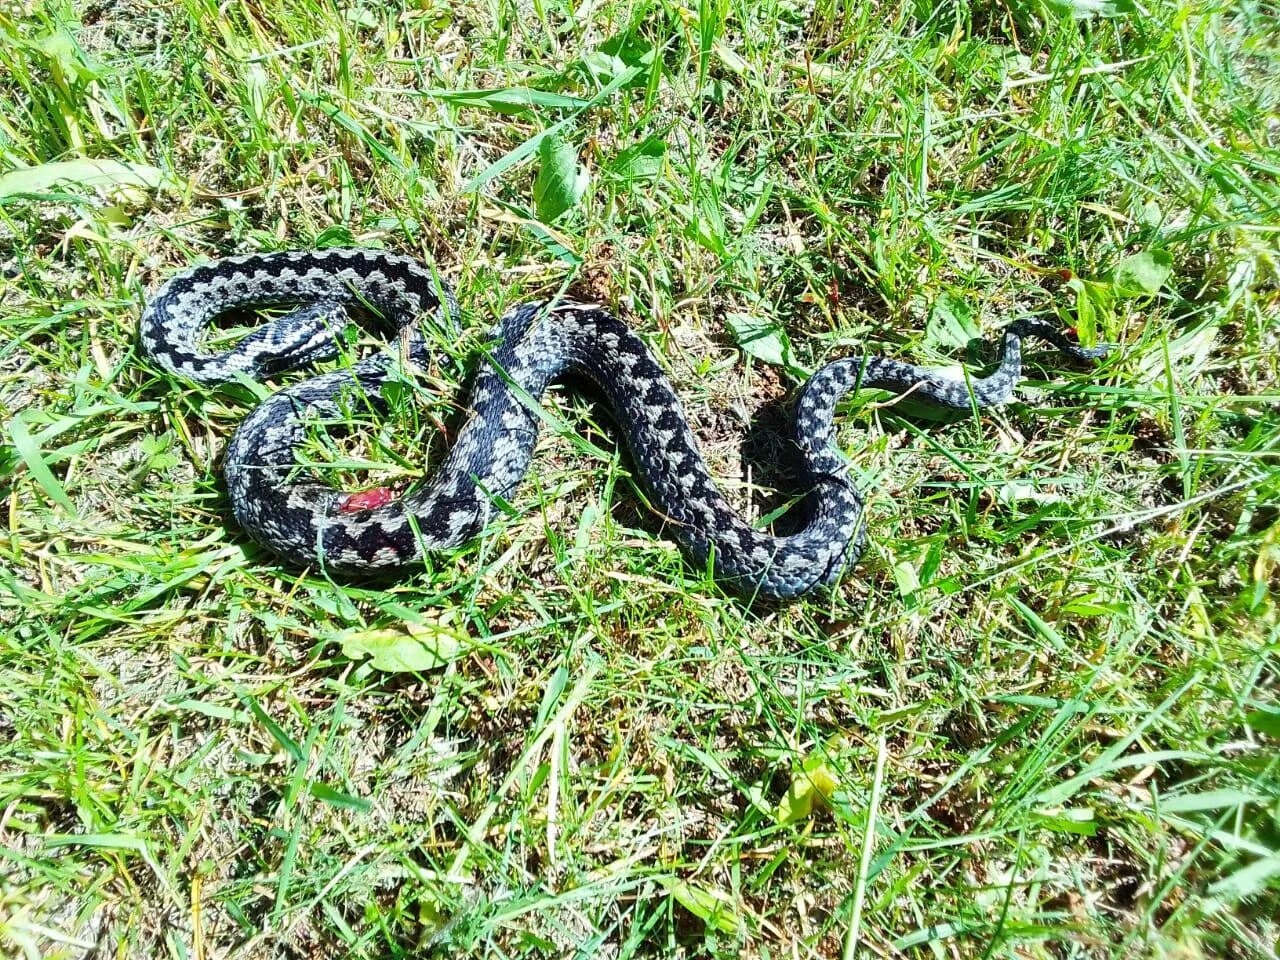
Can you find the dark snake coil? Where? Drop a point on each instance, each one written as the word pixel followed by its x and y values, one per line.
pixel 534 344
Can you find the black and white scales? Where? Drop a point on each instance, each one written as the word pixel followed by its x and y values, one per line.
pixel 534 343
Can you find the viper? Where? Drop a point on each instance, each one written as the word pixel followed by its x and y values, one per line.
pixel 534 344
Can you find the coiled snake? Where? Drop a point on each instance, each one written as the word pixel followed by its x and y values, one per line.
pixel 534 344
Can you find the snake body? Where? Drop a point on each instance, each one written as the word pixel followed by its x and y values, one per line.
pixel 533 345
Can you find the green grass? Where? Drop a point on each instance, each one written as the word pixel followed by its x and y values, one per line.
pixel 1041 709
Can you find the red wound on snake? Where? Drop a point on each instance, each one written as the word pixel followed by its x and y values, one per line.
pixel 369 499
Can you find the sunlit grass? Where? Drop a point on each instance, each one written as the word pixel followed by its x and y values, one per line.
pixel 1038 718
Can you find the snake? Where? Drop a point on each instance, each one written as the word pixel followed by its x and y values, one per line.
pixel 535 343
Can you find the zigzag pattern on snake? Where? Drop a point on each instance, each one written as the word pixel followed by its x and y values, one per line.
pixel 533 345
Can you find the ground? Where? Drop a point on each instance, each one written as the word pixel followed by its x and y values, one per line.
pixel 1037 719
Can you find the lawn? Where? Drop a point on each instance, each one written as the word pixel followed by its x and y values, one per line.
pixel 1037 719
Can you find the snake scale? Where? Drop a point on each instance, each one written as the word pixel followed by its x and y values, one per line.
pixel 534 344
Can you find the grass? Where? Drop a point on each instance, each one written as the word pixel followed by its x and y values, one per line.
pixel 1037 720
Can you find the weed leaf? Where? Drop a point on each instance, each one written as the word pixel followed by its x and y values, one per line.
pixel 951 322
pixel 409 648
pixel 811 789
pixel 1142 274
pixel 561 181
pixel 763 339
